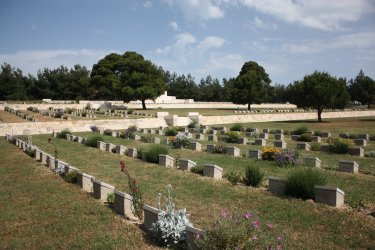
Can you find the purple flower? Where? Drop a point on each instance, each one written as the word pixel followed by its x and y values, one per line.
pixel 247 216
pixel 254 237
pixel 269 225
pixel 223 214
pixel 256 224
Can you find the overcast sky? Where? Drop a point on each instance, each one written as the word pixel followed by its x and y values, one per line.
pixel 289 38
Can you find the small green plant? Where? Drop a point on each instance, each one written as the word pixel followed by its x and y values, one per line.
pixel 236 127
pixel 300 183
pixel 135 192
pixel 305 137
pixel 253 176
pixel 153 152
pixel 353 136
pixel 317 133
pixel 315 146
pixel 111 199
pixel 240 231
pixel 197 169
pixel 233 177
pixel 370 154
pixel 107 132
pixel 193 124
pixel 233 136
pixel 71 177
pixel 62 134
pixel 169 230
pixel 300 131
pixel 219 149
pixel 338 146
pixel 170 132
pixel 93 139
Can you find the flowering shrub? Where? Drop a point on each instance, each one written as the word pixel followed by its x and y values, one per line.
pixel 135 192
pixel 268 153
pixel 286 158
pixel 181 141
pixel 233 136
pixel 240 231
pixel 169 230
pixel 219 149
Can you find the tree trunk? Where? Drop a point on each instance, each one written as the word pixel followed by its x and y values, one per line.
pixel 320 114
pixel 248 106
pixel 144 104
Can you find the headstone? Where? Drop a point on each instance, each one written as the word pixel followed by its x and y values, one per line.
pixel 276 185
pixel 266 131
pixel 212 137
pixel 348 166
pixel 213 132
pixel 199 136
pixel 279 137
pixel 232 151
pixel 156 140
pixel 210 148
pixel 115 134
pixel 109 147
pixel 255 154
pixel 260 142
pixel 192 233
pixel 101 189
pixel 150 216
pixel 224 138
pixel 280 144
pixel 263 135
pixel 303 146
pixel 243 140
pixel 85 181
pixel 325 148
pixel 312 161
pixel 344 135
pixel 331 196
pixel 132 152
pixel 364 136
pixel 202 131
pixel 159 132
pixel 45 158
pixel 120 149
pixel 213 171
pixel 325 134
pixel 315 138
pixel 249 134
pixel 70 169
pixel 254 130
pixel 38 154
pixel 355 151
pixel 123 203
pixel 151 131
pixel 186 164
pixel 101 145
pixel 166 161
pixel 279 131
pixel 360 142
pixel 196 146
pixel 295 137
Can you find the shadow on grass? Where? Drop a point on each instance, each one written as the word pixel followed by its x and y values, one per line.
pixel 306 121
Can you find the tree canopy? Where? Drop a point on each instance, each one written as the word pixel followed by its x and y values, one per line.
pixel 319 91
pixel 362 89
pixel 128 76
pixel 251 85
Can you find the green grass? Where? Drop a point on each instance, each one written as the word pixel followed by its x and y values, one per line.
pixel 39 210
pixel 204 198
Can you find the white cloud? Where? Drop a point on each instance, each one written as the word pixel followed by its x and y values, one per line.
pixel 147 4
pixel 32 61
pixel 317 14
pixel 197 10
pixel 361 40
pixel 198 57
pixel 174 25
pixel 258 23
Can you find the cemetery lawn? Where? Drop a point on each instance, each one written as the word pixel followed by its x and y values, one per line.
pixel 39 210
pixel 305 225
pixel 6 117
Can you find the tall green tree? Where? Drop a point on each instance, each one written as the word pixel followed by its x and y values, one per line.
pixel 13 84
pixel 251 85
pixel 319 90
pixel 362 89
pixel 128 76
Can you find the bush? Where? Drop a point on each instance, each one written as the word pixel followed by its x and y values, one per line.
pixel 300 131
pixel 269 153
pixel 62 134
pixel 219 149
pixel 197 169
pixel 153 152
pixel 181 141
pixel 315 146
pixel 233 136
pixel 300 183
pixel 253 176
pixel 111 199
pixel 236 127
pixel 317 133
pixel 233 177
pixel 71 177
pixel 338 146
pixel 94 128
pixel 169 230
pixel 92 140
pixel 58 114
pixel 305 138
pixel 107 132
pixel 170 132
pixel 193 124
pixel 130 111
pixel 372 137
pixel 287 158
pixel 353 136
pixel 240 231
pixel 146 138
pixel 370 154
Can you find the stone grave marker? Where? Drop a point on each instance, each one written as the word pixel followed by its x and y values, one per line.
pixel 123 204
pixel 279 137
pixel 210 148
pixel 243 140
pixel 101 145
pixel 166 161
pixel 109 147
pixel 150 216
pixel 132 152
pixel 186 164
pixel 213 171
pixel 331 196
pixel 260 142
pixel 212 137
pixel 312 161
pixel 255 154
pixel 101 189
pixel 276 185
pixel 85 181
pixel 196 146
pixel 303 146
pixel 348 166
pixel 263 135
pixel 280 144
pixel 356 151
pixel 232 151
pixel 360 142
